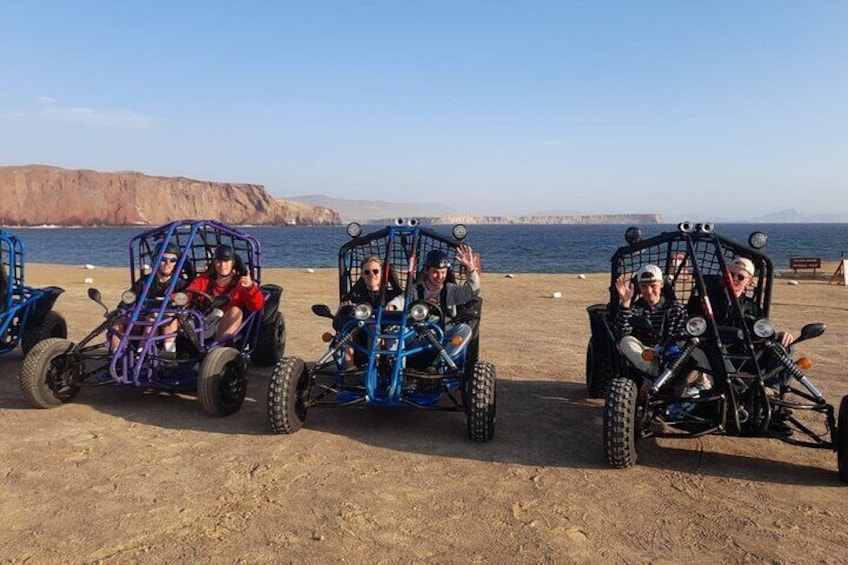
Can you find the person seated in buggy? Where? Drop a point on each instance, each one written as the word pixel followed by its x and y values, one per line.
pixel 228 276
pixel 437 284
pixel 165 272
pixel 741 273
pixel 651 319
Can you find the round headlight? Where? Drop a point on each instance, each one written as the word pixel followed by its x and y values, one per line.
pixel 757 240
pixel 696 326
pixel 413 222
pixel 128 297
pixel 399 221
pixel 685 227
pixel 419 312
pixel 354 229
pixel 180 299
pixel 763 328
pixel 632 235
pixel 459 231
pixel 362 311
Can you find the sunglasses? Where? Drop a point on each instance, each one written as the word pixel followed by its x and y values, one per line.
pixel 169 259
pixel 373 272
pixel 739 277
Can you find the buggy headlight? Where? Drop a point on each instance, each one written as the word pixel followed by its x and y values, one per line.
pixel 362 311
pixel 419 312
pixel 128 297
pixel 763 328
pixel 354 229
pixel 696 326
pixel 180 299
pixel 757 240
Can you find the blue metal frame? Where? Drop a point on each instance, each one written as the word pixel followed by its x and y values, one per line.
pixel 20 300
pixel 392 339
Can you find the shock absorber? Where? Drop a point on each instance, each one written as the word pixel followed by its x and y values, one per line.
pixel 780 353
pixel 672 369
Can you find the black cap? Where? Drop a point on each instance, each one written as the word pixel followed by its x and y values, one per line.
pixel 169 247
pixel 437 258
pixel 225 252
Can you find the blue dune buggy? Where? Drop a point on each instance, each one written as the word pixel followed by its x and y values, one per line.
pixel 135 331
pixel 26 313
pixel 412 355
pixel 750 384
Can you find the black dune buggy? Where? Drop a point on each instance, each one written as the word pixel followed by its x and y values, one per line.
pixel 412 355
pixel 26 313
pixel 135 331
pixel 757 389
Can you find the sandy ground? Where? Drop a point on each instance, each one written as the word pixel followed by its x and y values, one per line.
pixel 126 476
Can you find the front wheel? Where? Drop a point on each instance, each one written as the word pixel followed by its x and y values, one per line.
pixel 620 425
pixel 480 410
pixel 288 391
pixel 222 382
pixel 46 376
pixel 842 439
pixel 52 325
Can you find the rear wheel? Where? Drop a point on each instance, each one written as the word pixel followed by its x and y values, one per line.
pixel 288 391
pixel 46 376
pixel 52 325
pixel 271 345
pixel 842 439
pixel 222 382
pixel 620 423
pixel 481 402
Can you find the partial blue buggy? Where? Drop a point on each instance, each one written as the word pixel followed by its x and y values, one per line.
pixel 132 352
pixel 411 356
pixel 26 313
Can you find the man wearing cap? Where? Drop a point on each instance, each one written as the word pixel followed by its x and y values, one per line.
pixel 741 273
pixel 435 288
pixel 663 318
pixel 158 288
pixel 241 289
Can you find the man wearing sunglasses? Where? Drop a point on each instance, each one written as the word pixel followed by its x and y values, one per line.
pixel 648 320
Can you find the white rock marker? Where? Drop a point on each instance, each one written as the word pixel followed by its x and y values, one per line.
pixel 87 280
pixel 581 276
pixel 792 283
pixel 509 276
pixel 310 270
pixel 556 294
pixel 89 266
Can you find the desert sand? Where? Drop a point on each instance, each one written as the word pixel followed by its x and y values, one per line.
pixel 123 476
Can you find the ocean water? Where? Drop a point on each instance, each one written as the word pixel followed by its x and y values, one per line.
pixel 512 248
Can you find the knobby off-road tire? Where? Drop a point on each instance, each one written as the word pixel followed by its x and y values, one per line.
pixel 52 325
pixel 38 375
pixel 222 382
pixel 599 372
pixel 481 402
pixel 842 439
pixel 271 345
pixel 620 431
pixel 287 394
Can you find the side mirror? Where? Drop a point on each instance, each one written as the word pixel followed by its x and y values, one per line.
pixel 94 294
pixel 810 331
pixel 322 310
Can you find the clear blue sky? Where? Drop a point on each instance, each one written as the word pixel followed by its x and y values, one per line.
pixel 694 108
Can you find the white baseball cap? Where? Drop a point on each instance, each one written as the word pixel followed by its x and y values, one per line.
pixel 743 263
pixel 649 273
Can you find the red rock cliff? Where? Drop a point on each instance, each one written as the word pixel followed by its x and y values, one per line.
pixel 37 195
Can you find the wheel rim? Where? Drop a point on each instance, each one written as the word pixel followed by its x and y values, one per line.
pixel 232 386
pixel 56 383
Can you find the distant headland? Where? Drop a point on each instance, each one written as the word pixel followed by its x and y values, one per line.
pixel 37 195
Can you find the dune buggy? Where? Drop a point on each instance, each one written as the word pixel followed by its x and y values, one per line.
pixel 127 347
pixel 414 355
pixel 756 388
pixel 26 313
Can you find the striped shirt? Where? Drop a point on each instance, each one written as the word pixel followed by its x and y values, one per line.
pixel 666 319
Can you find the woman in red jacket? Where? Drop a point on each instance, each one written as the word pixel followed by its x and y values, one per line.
pixel 242 290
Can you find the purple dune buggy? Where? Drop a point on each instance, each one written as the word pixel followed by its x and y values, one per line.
pixel 133 353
